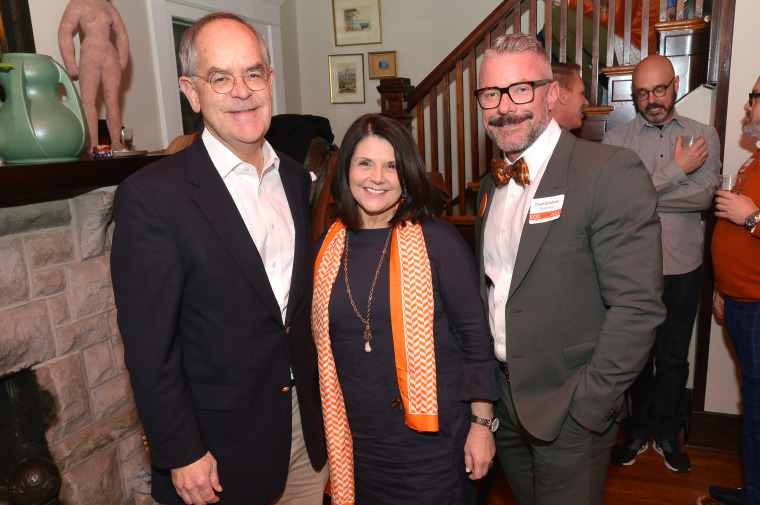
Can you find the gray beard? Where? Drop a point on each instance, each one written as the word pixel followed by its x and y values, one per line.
pixel 751 129
pixel 535 131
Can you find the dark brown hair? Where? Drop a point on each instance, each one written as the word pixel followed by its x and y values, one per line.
pixel 420 199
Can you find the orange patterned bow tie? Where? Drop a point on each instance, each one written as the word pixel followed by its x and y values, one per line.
pixel 503 172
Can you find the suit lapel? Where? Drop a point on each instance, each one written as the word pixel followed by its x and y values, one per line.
pixel 215 202
pixel 553 182
pixel 488 188
pixel 298 280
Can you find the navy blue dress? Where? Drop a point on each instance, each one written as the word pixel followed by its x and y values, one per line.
pixel 393 463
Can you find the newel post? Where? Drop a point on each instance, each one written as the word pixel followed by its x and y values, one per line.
pixel 393 92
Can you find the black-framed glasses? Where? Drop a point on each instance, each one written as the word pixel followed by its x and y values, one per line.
pixel 223 82
pixel 752 97
pixel 658 91
pixel 519 92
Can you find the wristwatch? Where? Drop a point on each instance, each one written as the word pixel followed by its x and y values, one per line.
pixel 491 424
pixel 752 220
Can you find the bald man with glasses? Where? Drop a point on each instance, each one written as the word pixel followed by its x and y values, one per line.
pixel 685 177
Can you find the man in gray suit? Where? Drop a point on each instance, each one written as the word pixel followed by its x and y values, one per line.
pixel 568 242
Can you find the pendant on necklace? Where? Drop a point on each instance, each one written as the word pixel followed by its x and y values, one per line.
pixel 367 338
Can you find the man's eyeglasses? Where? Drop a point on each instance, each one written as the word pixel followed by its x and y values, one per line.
pixel 519 92
pixel 658 91
pixel 752 97
pixel 223 82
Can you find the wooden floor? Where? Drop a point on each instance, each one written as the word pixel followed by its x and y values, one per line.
pixel 648 482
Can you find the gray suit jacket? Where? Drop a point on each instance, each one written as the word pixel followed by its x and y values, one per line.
pixel 586 291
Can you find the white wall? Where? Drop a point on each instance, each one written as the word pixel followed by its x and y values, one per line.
pixel 423 33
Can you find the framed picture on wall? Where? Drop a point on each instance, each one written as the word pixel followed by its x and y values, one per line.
pixel 357 22
pixel 382 64
pixel 346 78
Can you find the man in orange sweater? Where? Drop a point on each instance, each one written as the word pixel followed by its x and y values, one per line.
pixel 736 250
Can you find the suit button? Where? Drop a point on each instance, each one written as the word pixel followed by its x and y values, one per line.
pixel 286 389
pixel 287 330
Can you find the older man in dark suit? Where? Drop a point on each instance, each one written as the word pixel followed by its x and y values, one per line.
pixel 212 271
pixel 569 248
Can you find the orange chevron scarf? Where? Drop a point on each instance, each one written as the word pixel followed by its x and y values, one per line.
pixel 411 299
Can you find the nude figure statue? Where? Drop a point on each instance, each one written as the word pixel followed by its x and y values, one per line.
pixel 99 60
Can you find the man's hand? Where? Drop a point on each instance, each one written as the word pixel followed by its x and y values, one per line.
pixel 735 208
pixel 718 303
pixel 196 482
pixel 479 451
pixel 690 158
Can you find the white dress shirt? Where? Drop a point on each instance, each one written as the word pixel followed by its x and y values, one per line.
pixel 503 229
pixel 264 208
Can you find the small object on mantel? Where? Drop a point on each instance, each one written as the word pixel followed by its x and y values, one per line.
pixel 102 151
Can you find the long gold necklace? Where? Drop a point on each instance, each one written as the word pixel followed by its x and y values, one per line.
pixel 367 330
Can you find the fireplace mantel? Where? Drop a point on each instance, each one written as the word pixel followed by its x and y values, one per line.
pixel 23 184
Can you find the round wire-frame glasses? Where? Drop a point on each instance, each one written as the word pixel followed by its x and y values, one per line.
pixel 223 82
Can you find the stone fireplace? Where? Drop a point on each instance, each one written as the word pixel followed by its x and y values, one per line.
pixel 57 320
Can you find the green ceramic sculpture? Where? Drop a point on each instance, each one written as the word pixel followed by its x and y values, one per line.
pixel 39 123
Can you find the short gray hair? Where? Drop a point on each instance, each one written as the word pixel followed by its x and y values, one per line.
pixel 519 43
pixel 188 53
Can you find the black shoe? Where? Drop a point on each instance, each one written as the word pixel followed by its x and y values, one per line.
pixel 727 495
pixel 625 454
pixel 673 454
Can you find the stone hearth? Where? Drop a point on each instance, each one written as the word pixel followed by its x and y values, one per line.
pixel 57 317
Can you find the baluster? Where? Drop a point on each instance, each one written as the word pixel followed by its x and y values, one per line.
pixel 433 96
pixel 474 147
pixel 699 9
pixel 447 136
pixel 579 34
pixel 679 10
pixel 533 17
pixel 548 28
pixel 563 30
pixel 628 13
pixel 421 127
pixel 644 29
pixel 611 34
pixel 517 17
pixel 663 10
pixel 460 136
pixel 595 54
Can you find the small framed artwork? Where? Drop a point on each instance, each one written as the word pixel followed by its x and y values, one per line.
pixel 356 22
pixel 346 78
pixel 382 64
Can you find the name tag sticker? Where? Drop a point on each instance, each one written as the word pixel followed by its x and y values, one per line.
pixel 545 209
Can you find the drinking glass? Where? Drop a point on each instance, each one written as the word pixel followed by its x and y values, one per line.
pixel 126 137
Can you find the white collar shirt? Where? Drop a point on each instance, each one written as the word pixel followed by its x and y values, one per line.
pixel 503 229
pixel 263 205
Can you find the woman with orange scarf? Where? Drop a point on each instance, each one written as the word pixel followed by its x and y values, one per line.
pixel 406 367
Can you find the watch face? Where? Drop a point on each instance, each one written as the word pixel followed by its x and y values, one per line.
pixel 495 424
